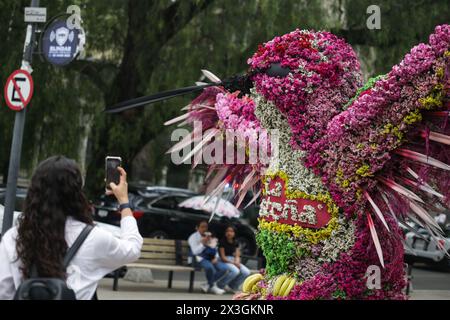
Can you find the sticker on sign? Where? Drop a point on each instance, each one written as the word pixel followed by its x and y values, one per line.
pixel 19 90
pixel 35 15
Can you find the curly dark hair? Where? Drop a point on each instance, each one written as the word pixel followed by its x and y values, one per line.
pixel 55 193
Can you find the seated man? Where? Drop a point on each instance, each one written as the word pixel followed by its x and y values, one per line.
pixel 204 249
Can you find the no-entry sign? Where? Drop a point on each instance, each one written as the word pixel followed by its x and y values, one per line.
pixel 19 90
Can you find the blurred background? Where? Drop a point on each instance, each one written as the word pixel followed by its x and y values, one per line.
pixel 137 47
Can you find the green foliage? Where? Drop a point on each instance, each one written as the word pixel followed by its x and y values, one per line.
pixel 339 294
pixel 404 23
pixel 279 250
pixel 368 85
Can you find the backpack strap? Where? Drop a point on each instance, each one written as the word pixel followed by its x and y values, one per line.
pixel 76 245
pixel 34 273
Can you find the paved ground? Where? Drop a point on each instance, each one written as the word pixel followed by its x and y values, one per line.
pixel 428 284
pixel 426 278
pixel 154 291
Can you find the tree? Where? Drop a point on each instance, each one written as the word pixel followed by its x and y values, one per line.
pixel 138 47
pixel 127 134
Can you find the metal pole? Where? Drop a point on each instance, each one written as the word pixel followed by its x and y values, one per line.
pixel 19 124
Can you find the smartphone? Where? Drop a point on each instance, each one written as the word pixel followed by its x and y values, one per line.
pixel 112 174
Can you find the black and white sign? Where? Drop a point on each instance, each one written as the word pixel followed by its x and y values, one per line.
pixel 19 90
pixel 60 44
pixel 35 15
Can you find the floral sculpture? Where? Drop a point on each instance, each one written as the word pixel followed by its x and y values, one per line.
pixel 354 161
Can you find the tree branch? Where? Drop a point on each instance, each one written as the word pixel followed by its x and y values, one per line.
pixel 175 21
pixel 93 70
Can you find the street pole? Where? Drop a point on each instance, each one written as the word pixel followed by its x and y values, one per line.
pixel 19 124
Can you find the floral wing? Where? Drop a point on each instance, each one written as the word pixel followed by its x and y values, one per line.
pixel 388 152
pixel 215 115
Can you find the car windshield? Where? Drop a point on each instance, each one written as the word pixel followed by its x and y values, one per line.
pixel 166 202
pixel 111 201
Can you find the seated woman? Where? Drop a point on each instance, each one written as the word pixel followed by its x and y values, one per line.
pixel 230 254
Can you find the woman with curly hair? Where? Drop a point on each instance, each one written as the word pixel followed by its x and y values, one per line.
pixel 56 211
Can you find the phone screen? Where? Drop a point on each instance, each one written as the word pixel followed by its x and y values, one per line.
pixel 112 174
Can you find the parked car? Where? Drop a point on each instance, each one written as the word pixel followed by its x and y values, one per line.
pixel 249 212
pixel 145 190
pixel 21 194
pixel 2 211
pixel 159 215
pixel 421 247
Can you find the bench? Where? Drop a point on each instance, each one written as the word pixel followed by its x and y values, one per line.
pixel 165 255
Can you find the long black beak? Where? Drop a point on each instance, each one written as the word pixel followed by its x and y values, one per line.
pixel 240 83
pixel 142 101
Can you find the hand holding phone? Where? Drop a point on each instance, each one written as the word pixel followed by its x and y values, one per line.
pixel 116 179
pixel 111 171
pixel 120 191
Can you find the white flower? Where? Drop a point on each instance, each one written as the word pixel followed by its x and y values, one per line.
pixel 290 161
pixel 341 240
pixel 308 215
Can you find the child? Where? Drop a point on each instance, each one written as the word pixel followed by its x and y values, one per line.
pixel 204 249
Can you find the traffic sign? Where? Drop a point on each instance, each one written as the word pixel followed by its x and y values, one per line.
pixel 35 15
pixel 19 90
pixel 24 89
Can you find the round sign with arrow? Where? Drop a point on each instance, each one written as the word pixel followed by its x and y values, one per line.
pixel 19 90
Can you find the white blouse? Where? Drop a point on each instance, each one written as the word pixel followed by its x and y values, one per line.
pixel 100 254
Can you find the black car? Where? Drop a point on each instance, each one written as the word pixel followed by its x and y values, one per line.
pixel 106 207
pixel 21 194
pixel 250 210
pixel 159 216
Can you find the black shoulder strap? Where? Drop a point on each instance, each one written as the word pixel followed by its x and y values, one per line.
pixel 76 245
pixel 34 273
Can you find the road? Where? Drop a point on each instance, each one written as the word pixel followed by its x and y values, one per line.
pixel 426 278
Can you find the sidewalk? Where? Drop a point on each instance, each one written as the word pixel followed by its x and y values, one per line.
pixel 430 295
pixel 158 291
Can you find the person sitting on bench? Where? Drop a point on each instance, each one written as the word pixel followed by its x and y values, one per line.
pixel 204 250
pixel 230 254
